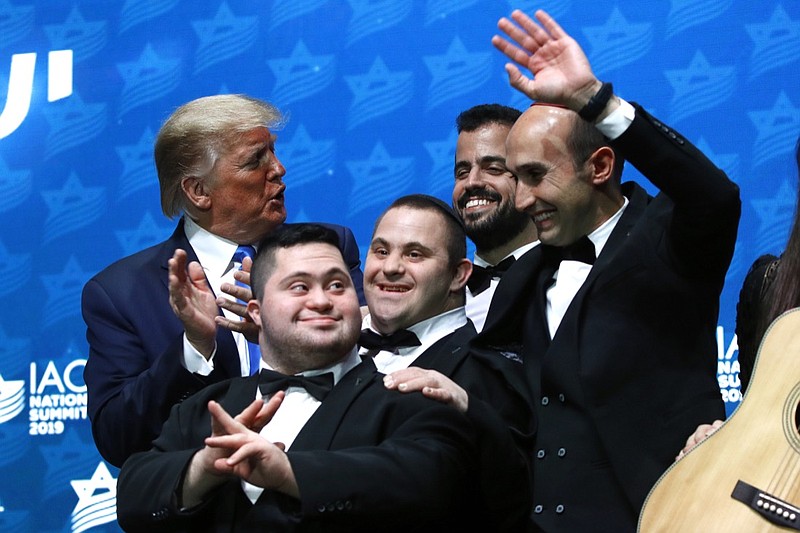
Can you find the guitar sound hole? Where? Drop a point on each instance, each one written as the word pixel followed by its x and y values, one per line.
pixel 797 419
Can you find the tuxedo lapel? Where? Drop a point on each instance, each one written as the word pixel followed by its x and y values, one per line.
pixel 607 260
pixel 568 333
pixel 537 315
pixel 536 334
pixel 447 353
pixel 241 393
pixel 321 428
pixel 510 299
pixel 637 202
pixel 177 240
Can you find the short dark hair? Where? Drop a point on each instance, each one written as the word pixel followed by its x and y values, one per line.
pixel 456 232
pixel 584 138
pixel 480 115
pixel 286 236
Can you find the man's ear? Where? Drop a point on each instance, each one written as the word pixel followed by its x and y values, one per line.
pixel 196 192
pixel 462 272
pixel 602 165
pixel 254 310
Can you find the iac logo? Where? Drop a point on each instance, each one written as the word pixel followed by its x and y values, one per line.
pixel 20 86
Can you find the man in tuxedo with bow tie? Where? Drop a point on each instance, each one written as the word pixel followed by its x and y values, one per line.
pixel 218 172
pixel 415 275
pixel 614 315
pixel 269 452
pixel 483 195
pixel 417 329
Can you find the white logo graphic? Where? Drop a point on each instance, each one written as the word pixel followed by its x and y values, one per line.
pixel 20 86
pixel 56 397
pixel 12 399
pixel 728 368
pixel 95 508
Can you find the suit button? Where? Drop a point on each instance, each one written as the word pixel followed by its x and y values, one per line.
pixel 562 398
pixel 330 507
pixel 538 509
pixel 559 509
pixel 545 400
pixel 562 452
pixel 321 508
pixel 540 454
pixel 348 505
pixel 340 506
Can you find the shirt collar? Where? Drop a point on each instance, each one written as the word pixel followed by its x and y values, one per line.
pixel 519 252
pixel 339 369
pixel 432 328
pixel 213 251
pixel 599 237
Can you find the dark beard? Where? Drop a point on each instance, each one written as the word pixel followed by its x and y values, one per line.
pixel 499 228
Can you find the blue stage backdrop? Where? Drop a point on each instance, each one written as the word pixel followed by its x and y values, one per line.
pixel 372 88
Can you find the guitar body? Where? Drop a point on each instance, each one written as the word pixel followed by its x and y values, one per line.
pixel 758 445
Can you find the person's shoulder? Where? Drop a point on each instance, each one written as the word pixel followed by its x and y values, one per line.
pixel 136 263
pixel 338 228
pixel 347 240
pixel 758 278
pixel 380 399
pixel 215 391
pixel 463 333
pixel 219 390
pixel 137 259
pixel 402 406
pixel 762 263
pixel 493 366
pixel 448 354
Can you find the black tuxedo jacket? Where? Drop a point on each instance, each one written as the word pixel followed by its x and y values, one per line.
pixel 369 459
pixel 133 373
pixel 498 402
pixel 635 354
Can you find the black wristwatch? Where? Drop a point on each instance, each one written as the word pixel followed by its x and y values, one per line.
pixel 597 103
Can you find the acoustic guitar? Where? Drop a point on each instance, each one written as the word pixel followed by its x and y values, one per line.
pixel 746 476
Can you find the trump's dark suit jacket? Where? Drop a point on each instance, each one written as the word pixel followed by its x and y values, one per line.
pixel 369 459
pixel 631 370
pixel 133 374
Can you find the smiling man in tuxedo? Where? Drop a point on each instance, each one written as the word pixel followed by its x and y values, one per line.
pixel 331 449
pixel 415 276
pixel 416 331
pixel 614 315
pixel 483 196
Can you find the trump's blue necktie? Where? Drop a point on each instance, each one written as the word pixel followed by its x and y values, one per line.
pixel 254 352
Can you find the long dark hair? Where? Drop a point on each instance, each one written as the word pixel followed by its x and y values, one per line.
pixel 785 291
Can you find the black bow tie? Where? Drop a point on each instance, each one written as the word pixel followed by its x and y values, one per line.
pixel 401 338
pixel 481 277
pixel 270 382
pixel 581 250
